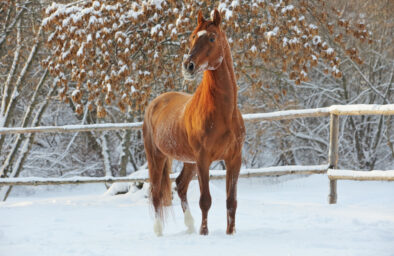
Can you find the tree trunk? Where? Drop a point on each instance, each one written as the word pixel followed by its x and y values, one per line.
pixel 125 155
pixel 20 137
pixel 105 154
pixel 4 193
pixel 9 108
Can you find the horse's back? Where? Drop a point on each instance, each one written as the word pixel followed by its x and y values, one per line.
pixel 166 104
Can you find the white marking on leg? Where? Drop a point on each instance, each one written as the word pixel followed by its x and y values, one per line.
pixel 158 227
pixel 189 221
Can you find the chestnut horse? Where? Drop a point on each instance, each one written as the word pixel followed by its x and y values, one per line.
pixel 197 129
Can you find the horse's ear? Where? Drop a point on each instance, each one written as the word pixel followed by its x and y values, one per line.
pixel 200 18
pixel 216 19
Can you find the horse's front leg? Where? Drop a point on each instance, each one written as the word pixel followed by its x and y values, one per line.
pixel 233 166
pixel 205 196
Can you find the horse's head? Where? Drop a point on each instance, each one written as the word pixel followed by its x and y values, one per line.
pixel 206 44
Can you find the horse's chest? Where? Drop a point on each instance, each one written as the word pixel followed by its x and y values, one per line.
pixel 214 137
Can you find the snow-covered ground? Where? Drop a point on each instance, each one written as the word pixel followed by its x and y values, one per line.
pixel 276 216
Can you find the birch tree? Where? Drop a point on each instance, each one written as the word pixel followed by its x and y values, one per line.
pixel 24 79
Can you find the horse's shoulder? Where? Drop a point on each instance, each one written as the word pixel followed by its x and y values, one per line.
pixel 168 99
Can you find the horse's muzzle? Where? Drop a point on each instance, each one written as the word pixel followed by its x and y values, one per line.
pixel 188 69
pixel 189 66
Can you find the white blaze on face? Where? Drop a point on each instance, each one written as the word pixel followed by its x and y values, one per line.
pixel 201 33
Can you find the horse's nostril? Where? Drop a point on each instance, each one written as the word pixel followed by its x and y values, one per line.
pixel 191 66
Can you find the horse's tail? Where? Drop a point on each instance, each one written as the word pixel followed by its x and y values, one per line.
pixel 159 167
pixel 166 183
pixel 161 193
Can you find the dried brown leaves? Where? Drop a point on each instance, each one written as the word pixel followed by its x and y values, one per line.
pixel 114 52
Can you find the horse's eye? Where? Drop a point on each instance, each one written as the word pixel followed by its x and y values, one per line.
pixel 212 39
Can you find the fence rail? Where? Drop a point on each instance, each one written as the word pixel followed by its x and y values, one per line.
pixel 142 176
pixel 331 168
pixel 359 109
pixel 335 174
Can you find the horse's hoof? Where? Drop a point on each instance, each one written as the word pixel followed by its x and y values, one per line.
pixel 203 231
pixel 230 231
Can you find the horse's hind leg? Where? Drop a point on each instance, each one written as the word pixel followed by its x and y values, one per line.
pixel 182 184
pixel 233 167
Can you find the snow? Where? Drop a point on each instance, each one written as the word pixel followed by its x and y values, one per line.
pixel 275 216
pixel 179 20
pixel 73 128
pixel 296 29
pixel 134 14
pixel 92 20
pixel 316 40
pixel 155 29
pixel 96 4
pixel 2 120
pixel 285 40
pixel 174 31
pixel 274 32
pixel 80 51
pixel 224 8
pixel 75 92
pixel 361 175
pixel 253 49
pixel 330 51
pixel 284 113
pixel 287 8
pixel 234 3
pixel 156 3
pixel 365 109
pixel 294 40
pixel 335 70
pixel 143 175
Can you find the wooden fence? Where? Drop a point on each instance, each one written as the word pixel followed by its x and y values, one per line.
pixel 331 168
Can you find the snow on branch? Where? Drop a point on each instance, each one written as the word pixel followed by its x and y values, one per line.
pixel 107 53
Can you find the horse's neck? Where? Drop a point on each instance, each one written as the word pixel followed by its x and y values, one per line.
pixel 217 92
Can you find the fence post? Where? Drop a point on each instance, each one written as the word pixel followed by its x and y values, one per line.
pixel 333 155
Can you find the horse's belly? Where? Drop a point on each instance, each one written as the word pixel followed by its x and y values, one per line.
pixel 173 143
